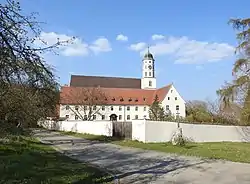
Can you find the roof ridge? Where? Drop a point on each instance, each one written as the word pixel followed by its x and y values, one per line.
pixel 63 86
pixel 105 77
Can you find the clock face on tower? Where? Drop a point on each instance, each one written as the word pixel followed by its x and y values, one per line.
pixel 150 67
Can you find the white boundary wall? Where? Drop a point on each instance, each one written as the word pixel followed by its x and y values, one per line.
pixel 88 127
pixel 161 131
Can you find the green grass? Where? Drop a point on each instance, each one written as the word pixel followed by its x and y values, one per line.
pixel 237 152
pixel 28 161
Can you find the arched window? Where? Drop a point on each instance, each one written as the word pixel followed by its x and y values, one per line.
pixel 150 83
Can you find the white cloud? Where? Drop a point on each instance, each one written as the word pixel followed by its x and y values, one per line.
pixel 75 47
pixel 138 46
pixel 199 67
pixel 101 45
pixel 187 51
pixel 157 37
pixel 121 37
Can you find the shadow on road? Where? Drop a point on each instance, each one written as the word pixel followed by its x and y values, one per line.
pixel 129 165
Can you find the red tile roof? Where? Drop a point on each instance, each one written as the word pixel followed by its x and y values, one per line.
pixel 114 96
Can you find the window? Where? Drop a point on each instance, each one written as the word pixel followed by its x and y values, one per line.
pixel 85 107
pixel 111 108
pixel 94 107
pixel 168 98
pixel 167 107
pixel 103 108
pixel 94 117
pixel 149 61
pixel 136 108
pixel 171 91
pixel 149 74
pixel 67 107
pixel 128 108
pixel 120 117
pixel 177 107
pixel 128 117
pixel 145 66
pixel 145 74
pixel 136 116
pixel 145 108
pixel 145 116
pixel 76 108
pixel 67 116
pixel 150 83
pixel 120 108
pixel 85 117
pixel 103 117
pixel 76 117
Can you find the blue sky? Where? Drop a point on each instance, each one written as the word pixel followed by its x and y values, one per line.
pixel 191 40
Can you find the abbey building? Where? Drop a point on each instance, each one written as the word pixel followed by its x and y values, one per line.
pixel 121 98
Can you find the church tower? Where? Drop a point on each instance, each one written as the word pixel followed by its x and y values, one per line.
pixel 148 80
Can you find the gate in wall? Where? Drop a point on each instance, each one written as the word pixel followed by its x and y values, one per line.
pixel 122 130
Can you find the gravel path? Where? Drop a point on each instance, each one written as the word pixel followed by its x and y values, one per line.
pixel 133 165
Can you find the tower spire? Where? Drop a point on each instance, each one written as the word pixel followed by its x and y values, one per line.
pixel 148 48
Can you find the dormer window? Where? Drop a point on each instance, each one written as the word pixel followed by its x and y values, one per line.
pixel 121 99
pixel 144 99
pixel 106 98
pixel 113 99
pixel 130 99
pixel 86 99
pixel 136 100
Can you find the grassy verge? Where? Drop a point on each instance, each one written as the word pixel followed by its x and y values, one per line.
pixel 26 160
pixel 237 152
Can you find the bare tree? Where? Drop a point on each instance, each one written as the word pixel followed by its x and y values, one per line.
pixel 86 102
pixel 26 80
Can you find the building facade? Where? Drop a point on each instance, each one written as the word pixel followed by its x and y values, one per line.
pixel 124 98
